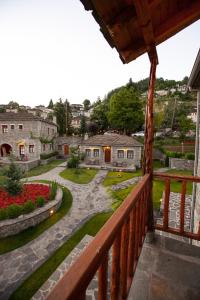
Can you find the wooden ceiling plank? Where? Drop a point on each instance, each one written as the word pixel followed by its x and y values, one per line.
pixel 145 23
pixel 177 22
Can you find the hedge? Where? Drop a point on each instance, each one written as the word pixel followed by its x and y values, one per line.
pixel 48 155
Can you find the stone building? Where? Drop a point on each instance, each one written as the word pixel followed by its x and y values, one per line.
pixel 114 149
pixel 64 143
pixel 25 136
pixel 194 84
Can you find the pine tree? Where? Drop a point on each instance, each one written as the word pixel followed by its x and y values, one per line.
pixel 13 185
pixel 50 104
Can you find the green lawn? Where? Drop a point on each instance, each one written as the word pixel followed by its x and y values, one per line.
pixel 180 172
pixel 15 241
pixel 120 195
pixel 79 175
pixel 113 178
pixel 33 283
pixel 43 169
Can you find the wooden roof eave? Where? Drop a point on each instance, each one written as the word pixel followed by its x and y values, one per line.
pixel 194 80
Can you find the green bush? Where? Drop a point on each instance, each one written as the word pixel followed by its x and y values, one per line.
pixel 28 207
pixel 3 214
pixel 40 201
pixel 54 187
pixel 48 155
pixel 190 156
pixel 14 210
pixel 174 154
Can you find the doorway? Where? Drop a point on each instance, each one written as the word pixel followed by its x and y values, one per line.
pixel 107 151
pixel 5 150
pixel 66 149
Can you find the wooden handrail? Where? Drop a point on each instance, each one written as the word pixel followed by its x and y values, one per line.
pixel 168 178
pixel 176 177
pixel 115 232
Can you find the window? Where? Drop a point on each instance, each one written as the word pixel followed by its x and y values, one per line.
pixel 44 148
pixel 59 147
pixel 130 154
pixel 31 148
pixel 52 131
pixel 48 130
pixel 96 152
pixel 4 128
pixel 21 150
pixel 50 146
pixel 12 127
pixel 120 153
pixel 88 152
pixel 20 127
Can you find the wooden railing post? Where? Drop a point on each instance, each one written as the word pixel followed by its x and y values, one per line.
pixel 149 134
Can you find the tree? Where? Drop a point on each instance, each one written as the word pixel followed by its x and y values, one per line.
pixel 99 116
pixel 92 128
pixel 74 159
pixel 86 104
pixel 13 185
pixel 126 110
pixel 158 120
pixel 50 104
pixel 13 105
pixel 68 117
pixel 60 113
pixel 83 128
pixel 185 125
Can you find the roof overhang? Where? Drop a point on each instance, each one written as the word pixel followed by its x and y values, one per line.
pixel 135 27
pixel 194 80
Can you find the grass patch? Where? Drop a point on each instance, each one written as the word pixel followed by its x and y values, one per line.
pixel 159 187
pixel 157 164
pixel 16 241
pixel 79 175
pixel 180 172
pixel 35 281
pixel 113 178
pixel 43 169
pixel 120 195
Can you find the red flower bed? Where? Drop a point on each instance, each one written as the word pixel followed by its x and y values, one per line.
pixel 29 192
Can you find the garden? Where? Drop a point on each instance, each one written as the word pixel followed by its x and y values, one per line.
pixel 17 198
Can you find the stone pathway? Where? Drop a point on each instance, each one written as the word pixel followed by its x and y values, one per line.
pixel 88 199
pixel 126 183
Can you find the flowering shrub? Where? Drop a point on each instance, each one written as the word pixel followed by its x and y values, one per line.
pixel 29 192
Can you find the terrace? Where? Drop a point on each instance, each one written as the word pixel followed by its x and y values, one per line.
pixel 130 245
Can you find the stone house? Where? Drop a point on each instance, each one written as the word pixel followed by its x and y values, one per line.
pixel 114 149
pixel 194 85
pixel 63 144
pixel 26 136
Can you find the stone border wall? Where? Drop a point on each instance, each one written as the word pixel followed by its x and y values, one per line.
pixel 181 164
pixel 14 226
pixel 48 160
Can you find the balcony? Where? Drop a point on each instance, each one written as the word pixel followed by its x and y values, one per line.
pixel 113 255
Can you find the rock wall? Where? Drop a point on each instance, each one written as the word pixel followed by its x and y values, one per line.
pixel 181 164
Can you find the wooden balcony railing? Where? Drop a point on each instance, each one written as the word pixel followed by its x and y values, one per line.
pixel 165 226
pixel 123 234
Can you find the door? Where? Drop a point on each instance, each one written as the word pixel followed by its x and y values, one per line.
pixel 107 154
pixel 66 149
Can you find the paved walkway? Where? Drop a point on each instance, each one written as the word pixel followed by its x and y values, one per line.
pixel 124 184
pixel 88 199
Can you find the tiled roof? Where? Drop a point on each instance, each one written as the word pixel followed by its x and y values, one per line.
pixel 112 140
pixel 69 140
pixel 22 116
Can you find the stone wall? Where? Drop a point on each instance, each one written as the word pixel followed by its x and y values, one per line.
pixel 14 226
pixel 136 161
pixel 48 160
pixel 181 164
pixel 24 165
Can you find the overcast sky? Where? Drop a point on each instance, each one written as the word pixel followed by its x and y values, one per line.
pixel 53 48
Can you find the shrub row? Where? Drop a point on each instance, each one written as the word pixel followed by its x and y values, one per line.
pixel 48 155
pixel 189 156
pixel 54 187
pixel 15 210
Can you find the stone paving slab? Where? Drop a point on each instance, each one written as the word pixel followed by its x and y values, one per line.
pixel 124 184
pixel 88 199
